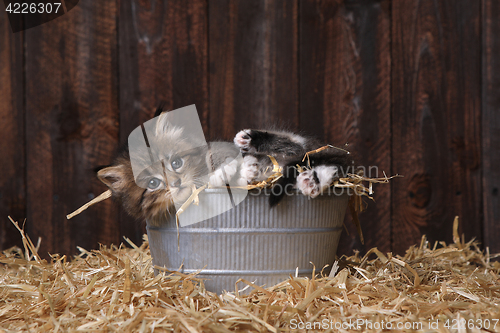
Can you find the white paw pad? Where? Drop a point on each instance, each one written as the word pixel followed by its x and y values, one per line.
pixel 242 140
pixel 313 182
pixel 307 184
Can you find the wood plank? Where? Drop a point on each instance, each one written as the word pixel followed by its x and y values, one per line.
pixel 163 57
pixel 345 96
pixel 491 124
pixel 12 163
pixel 253 65
pixel 436 119
pixel 71 126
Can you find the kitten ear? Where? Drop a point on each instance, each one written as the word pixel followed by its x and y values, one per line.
pixel 113 177
pixel 160 108
pixel 162 124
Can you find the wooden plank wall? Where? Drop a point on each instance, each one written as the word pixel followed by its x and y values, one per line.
pixel 436 119
pixel 71 125
pixel 12 133
pixel 491 122
pixel 410 85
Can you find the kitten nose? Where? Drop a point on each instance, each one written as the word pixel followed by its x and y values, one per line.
pixel 176 183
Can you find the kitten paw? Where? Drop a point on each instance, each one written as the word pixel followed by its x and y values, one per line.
pixel 307 184
pixel 243 140
pixel 225 173
pixel 249 169
pixel 313 182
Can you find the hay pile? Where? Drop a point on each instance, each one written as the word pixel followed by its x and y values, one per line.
pixel 114 289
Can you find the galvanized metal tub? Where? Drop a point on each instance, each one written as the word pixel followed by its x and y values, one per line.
pixel 252 241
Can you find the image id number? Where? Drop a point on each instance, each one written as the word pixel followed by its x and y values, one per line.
pixel 462 324
pixel 33 8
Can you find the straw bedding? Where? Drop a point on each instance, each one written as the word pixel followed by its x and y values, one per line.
pixel 431 288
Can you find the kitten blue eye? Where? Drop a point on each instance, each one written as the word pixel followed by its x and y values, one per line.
pixel 154 183
pixel 177 163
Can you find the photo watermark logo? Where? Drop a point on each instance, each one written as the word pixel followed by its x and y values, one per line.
pixel 170 152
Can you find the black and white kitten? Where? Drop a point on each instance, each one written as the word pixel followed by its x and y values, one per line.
pixel 319 170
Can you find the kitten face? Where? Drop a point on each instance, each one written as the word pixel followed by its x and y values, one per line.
pixel 171 166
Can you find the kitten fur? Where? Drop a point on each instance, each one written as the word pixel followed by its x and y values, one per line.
pixel 187 163
pixel 289 149
pixel 155 204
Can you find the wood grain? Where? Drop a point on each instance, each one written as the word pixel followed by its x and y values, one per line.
pixel 71 126
pixel 163 58
pixel 491 124
pixel 253 66
pixel 12 161
pixel 436 119
pixel 411 85
pixel 345 96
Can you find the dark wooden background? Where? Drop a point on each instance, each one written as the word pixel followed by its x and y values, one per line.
pixel 413 86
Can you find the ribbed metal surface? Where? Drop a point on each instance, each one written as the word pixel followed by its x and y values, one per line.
pixel 252 241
